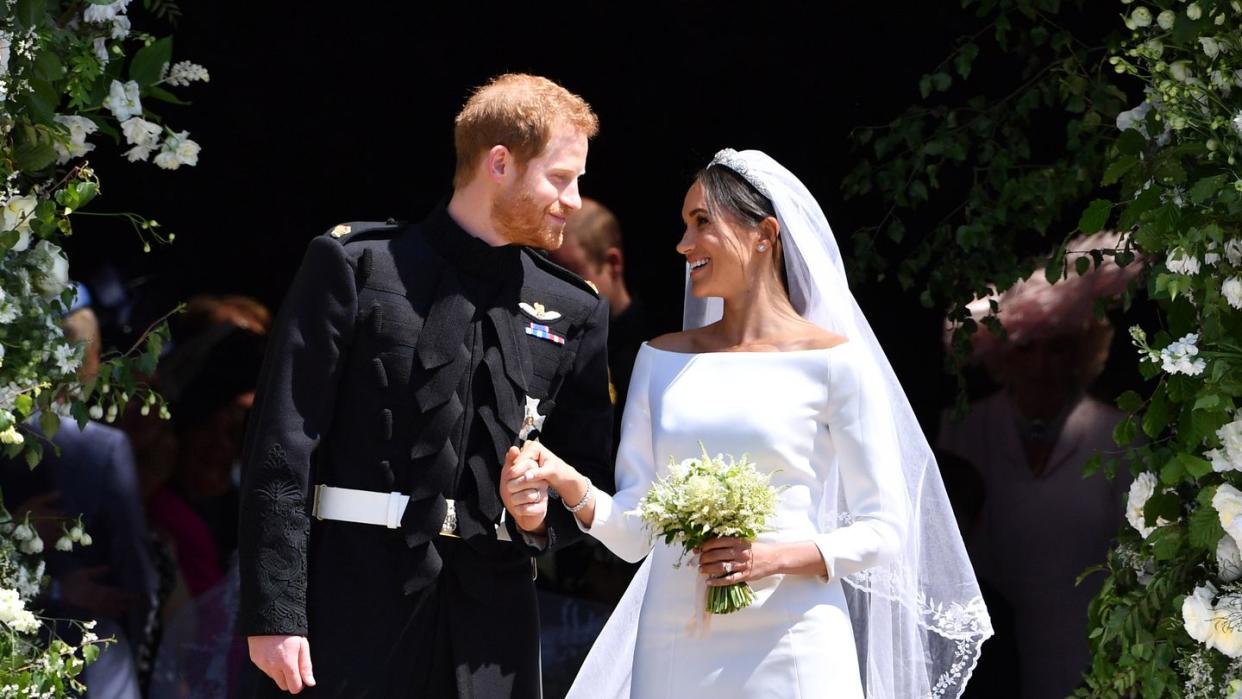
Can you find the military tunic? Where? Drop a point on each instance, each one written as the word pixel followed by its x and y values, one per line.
pixel 402 360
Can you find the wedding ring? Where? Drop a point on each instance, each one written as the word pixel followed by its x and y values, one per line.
pixel 728 566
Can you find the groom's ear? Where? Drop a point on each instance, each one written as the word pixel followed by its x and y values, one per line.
pixel 498 162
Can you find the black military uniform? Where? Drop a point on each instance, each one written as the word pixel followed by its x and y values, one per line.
pixel 402 361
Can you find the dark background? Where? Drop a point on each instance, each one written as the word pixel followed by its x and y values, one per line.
pixel 322 113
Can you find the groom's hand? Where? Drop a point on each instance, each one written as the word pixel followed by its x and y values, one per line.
pixel 526 499
pixel 285 659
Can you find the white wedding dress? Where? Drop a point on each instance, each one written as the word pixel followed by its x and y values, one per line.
pixel 819 421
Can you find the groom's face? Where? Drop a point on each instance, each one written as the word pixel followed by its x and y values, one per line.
pixel 536 197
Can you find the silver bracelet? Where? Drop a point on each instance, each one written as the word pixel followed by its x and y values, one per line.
pixel 586 499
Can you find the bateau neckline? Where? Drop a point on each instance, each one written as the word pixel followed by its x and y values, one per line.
pixel 749 352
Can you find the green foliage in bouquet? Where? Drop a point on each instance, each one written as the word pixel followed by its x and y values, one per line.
pixel 707 498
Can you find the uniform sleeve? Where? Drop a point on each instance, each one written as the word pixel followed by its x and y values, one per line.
pixel 624 535
pixel 579 430
pixel 860 425
pixel 293 410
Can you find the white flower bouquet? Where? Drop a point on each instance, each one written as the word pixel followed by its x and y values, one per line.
pixel 705 498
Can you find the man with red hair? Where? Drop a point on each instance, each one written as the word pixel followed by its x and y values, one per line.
pixel 378 556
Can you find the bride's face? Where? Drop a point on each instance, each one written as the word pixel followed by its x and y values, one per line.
pixel 718 249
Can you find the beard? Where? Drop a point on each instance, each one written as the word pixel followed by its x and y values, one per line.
pixel 523 221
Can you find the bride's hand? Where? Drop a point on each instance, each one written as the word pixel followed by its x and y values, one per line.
pixel 525 498
pixel 534 463
pixel 728 561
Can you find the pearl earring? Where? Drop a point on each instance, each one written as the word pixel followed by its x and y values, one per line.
pixel 763 247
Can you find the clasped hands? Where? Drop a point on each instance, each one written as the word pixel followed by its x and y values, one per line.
pixel 527 475
pixel 529 472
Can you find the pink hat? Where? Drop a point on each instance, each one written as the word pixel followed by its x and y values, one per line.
pixel 1034 308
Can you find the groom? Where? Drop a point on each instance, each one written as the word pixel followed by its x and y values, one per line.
pixel 377 555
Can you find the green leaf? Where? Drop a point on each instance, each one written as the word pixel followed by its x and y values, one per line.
pixel 1208 402
pixel 1197 468
pixel 925 86
pixel 1092 466
pixel 1170 172
pixel 49 422
pixel 1180 387
pixel 1167 506
pixel 45 211
pixel 90 652
pixel 24 404
pixel 48 67
pixel 34 149
pixel 67 197
pixel 1156 419
pixel 1143 202
pixel 163 95
pixel 1130 401
pixel 1205 496
pixel 1125 432
pixel 149 61
pixel 1095 216
pixel 34 454
pixel 942 81
pixel 1131 142
pixel 918 191
pixel 40 102
pixel 1118 168
pixel 81 414
pixel 1171 473
pixel 86 192
pixel 1082 265
pixel 1166 542
pixel 896 230
pixel 31 13
pixel 1205 529
pixel 1206 188
pixel 965 59
pixel 7 240
pixel 1056 266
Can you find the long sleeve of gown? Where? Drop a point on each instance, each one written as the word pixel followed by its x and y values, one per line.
pixel 870 479
pixel 635 470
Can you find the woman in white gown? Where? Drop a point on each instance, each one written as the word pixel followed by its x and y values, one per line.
pixel 777 363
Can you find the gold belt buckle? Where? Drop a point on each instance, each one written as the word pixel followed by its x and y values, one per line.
pixel 449 527
pixel 315 506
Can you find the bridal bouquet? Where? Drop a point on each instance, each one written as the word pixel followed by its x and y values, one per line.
pixel 705 498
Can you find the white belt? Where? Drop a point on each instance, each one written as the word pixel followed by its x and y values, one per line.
pixel 371 507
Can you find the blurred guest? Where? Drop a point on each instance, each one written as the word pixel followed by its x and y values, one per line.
pixel 592 250
pixel 205 310
pixel 112 580
pixel 1041 524
pixel 208 379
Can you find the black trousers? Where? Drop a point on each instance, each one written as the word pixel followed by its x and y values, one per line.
pixel 472 634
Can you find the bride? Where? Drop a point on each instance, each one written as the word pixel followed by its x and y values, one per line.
pixel 862 586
